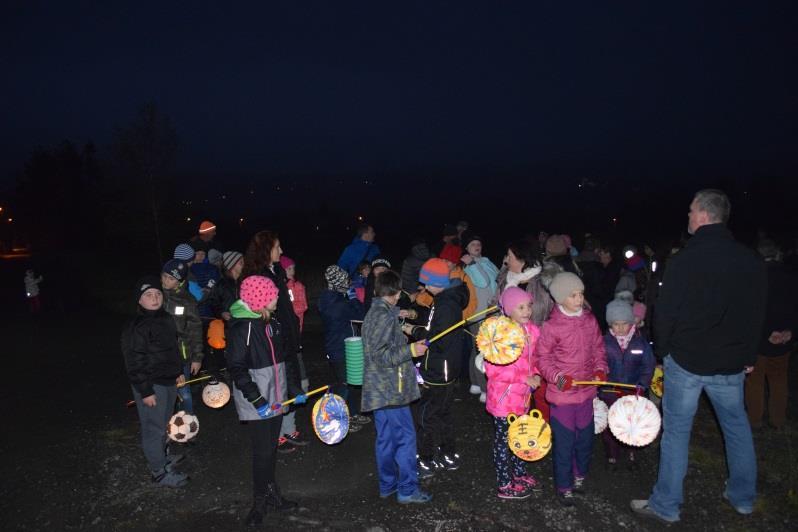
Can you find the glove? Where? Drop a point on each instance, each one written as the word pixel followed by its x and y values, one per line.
pixel 600 376
pixel 262 406
pixel 301 399
pixel 564 382
pixel 351 293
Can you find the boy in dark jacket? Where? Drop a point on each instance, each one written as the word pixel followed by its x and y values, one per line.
pixel 149 345
pixel 439 369
pixel 183 308
pixel 338 308
pixel 389 386
pixel 631 361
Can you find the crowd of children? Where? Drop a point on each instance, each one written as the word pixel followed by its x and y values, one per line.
pixel 412 362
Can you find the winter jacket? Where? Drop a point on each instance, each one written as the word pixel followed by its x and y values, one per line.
pixel 443 360
pixel 508 392
pixel 223 295
pixel 356 252
pixel 296 292
pixel 538 286
pixel 149 345
pixel 635 365
pixel 183 308
pixel 711 306
pixel 571 346
pixel 255 360
pixel 337 312
pixel 781 310
pixel 411 266
pixel 289 326
pixel 389 376
pixel 482 273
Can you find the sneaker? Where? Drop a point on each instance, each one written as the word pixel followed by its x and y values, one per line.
pixel 483 398
pixel 641 508
pixel 426 468
pixel 739 509
pixel 449 462
pixel 515 490
pixel 387 494
pixel 354 427
pixel 170 479
pixel 530 482
pixel 475 390
pixel 284 447
pixel 258 511
pixel 417 497
pixel 359 419
pixel 566 498
pixel 579 485
pixel 295 439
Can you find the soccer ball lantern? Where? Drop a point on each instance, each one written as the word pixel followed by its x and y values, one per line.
pixel 216 394
pixel 182 427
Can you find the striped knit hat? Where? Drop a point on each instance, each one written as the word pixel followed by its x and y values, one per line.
pixel 337 278
pixel 230 259
pixel 435 273
pixel 184 252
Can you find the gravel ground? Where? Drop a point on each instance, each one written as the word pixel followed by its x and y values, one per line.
pixel 71 460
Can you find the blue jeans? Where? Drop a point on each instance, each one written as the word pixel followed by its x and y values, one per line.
pixel 679 404
pixel 396 450
pixel 184 392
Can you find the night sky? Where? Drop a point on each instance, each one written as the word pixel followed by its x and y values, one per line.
pixel 424 89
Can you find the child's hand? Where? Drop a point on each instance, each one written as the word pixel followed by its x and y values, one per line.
pixel 149 400
pixel 180 380
pixel 600 376
pixel 418 348
pixel 533 381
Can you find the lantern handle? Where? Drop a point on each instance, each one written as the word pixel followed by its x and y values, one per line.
pixel 192 381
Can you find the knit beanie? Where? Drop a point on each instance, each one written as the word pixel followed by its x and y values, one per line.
pixel 639 310
pixel 145 283
pixel 215 257
pixel 176 268
pixel 565 284
pixel 286 262
pixel 258 291
pixel 230 259
pixel 184 252
pixel 635 263
pixel 337 278
pixel 206 227
pixel 556 246
pixel 619 310
pixel 469 237
pixel 512 297
pixel 435 273
pixel 380 261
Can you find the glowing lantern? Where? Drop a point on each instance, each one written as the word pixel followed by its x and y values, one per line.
pixel 216 334
pixel 529 436
pixel 600 412
pixel 634 420
pixel 216 394
pixel 500 340
pixel 330 419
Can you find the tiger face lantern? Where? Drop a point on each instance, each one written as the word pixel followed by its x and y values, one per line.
pixel 529 436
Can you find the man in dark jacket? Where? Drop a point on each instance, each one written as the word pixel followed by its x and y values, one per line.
pixel 776 339
pixel 709 319
pixel 439 368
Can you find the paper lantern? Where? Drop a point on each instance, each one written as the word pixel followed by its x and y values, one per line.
pixel 330 419
pixel 216 394
pixel 529 436
pixel 182 427
pixel 500 340
pixel 216 334
pixel 658 382
pixel 600 412
pixel 634 420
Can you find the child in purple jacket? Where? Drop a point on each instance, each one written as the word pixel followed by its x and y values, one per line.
pixel 631 361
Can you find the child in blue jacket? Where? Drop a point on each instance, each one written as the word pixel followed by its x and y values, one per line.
pixel 631 361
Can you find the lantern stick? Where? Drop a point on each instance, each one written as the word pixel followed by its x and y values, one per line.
pixel 604 383
pixel 278 406
pixel 460 324
pixel 192 381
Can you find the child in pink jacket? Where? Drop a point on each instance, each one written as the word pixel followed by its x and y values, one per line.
pixel 509 391
pixel 571 348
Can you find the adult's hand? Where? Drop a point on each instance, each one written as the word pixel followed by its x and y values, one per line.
pixel 775 338
pixel 149 400
pixel 195 367
pixel 467 259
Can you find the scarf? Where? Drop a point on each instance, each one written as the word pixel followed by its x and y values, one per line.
pixel 568 312
pixel 514 279
pixel 624 340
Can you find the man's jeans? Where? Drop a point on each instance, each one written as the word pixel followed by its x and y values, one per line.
pixel 679 404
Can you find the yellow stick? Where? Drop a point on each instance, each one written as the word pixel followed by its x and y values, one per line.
pixel 605 383
pixel 312 392
pixel 460 323
pixel 192 381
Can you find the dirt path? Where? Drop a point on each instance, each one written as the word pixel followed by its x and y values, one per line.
pixel 71 461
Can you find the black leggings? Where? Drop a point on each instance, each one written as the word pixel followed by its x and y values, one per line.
pixel 264 434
